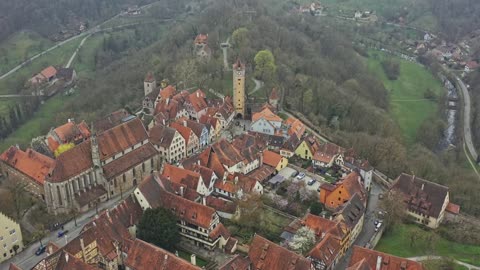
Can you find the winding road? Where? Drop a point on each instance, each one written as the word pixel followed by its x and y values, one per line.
pixel 467 124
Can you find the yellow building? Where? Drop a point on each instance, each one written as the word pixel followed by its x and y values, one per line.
pixel 239 88
pixel 275 160
pixel 11 241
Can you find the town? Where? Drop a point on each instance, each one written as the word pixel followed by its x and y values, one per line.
pixel 248 186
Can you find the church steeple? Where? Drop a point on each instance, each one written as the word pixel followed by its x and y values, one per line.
pixel 239 88
pixel 95 151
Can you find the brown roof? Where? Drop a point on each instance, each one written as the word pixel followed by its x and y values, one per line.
pixel 129 160
pixel 221 205
pixel 352 185
pixel 421 195
pixel 14 267
pixel 266 255
pixel 169 107
pixel 111 120
pixel 238 65
pixel 68 261
pixel 266 114
pixel 69 131
pixel 121 137
pixel 144 256
pixel 453 208
pixel 388 262
pixel 353 211
pixel 206 173
pixel 219 230
pixel 167 92
pixel 178 175
pixel 196 127
pixel 227 154
pixel 271 158
pixel 360 265
pixel 149 77
pixel 161 135
pixel 238 262
pixel 291 144
pixel 318 225
pixel 297 127
pixel 186 132
pixel 72 162
pixel 262 173
pixel 274 94
pixel 210 120
pixel 92 194
pixel 201 39
pixel 326 250
pixel 228 186
pixel 49 72
pixel 31 163
pixel 191 212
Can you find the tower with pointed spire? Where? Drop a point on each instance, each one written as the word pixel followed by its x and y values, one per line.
pixel 149 84
pixel 239 88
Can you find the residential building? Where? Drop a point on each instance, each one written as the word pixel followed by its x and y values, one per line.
pixel 143 256
pixel 425 201
pixel 192 141
pixel 239 88
pixel 238 262
pixel 363 167
pixel 29 168
pixel 274 99
pixel 267 255
pixel 295 127
pixel 266 122
pixel 198 223
pixel 190 179
pixel 334 196
pixel 368 259
pixel 307 148
pixel 11 240
pixel 196 105
pixel 214 125
pixel 352 214
pixel 290 146
pixel 48 74
pixel 326 253
pixel 274 160
pixel 61 260
pixel 169 143
pixel 223 110
pixel 67 133
pixel 200 130
pixel 328 154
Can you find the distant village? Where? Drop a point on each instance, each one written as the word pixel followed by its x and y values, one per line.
pixel 200 158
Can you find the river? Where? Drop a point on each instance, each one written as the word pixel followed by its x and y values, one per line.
pixel 449 138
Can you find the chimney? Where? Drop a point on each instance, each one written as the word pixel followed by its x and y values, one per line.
pixel 50 250
pixel 423 185
pixel 236 180
pixel 168 100
pixel 185 123
pixel 379 263
pixel 182 191
pixel 323 235
pixel 69 120
pixel 198 94
pixel 66 257
pixel 193 259
pixel 176 253
pixel 163 121
pixel 198 162
pixel 204 200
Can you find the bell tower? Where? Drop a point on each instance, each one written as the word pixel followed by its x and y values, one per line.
pixel 239 88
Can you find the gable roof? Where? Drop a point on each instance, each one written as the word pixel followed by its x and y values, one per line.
pixel 352 184
pixel 206 173
pixel 296 127
pixel 238 262
pixel 169 107
pixel 113 119
pixel 291 144
pixel 197 100
pixel 319 225
pixel 167 92
pixel 31 163
pixel 421 195
pixel 352 211
pixel 196 127
pixel 178 175
pixel 387 261
pixel 360 265
pixel 274 94
pixel 49 72
pixel 129 160
pixel 266 114
pixel 271 158
pixel 121 137
pixel 143 256
pixel 326 250
pixel 266 255
pixel 186 132
pixel 227 154
pixel 69 131
pixel 72 162
pixel 161 135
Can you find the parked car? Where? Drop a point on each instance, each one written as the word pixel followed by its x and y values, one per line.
pixel 62 233
pixel 376 222
pixel 41 249
pixel 294 173
pixel 301 175
pixel 311 182
pixel 377 227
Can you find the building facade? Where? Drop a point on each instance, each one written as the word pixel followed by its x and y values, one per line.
pixel 11 241
pixel 239 88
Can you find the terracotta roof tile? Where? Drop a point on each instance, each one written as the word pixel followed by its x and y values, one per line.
pixel 221 205
pixel 72 162
pixel 319 225
pixel 162 136
pixel 236 263
pixel 352 211
pixel 49 72
pixel 421 195
pixel 90 195
pixel 219 230
pixel 227 154
pixel 196 127
pixel 197 100
pixel 121 137
pixel 352 184
pixel 169 107
pixel 167 92
pixel 71 132
pixel 453 208
pixel 271 158
pixel 262 174
pixel 178 175
pixel 113 119
pixel 31 163
pixel 327 250
pixel 388 262
pixel 266 255
pixel 186 132
pixel 206 173
pixel 360 265
pixel 144 256
pixel 266 114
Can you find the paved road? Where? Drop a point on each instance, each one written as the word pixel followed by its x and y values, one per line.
pixel 225 55
pixel 76 51
pixel 467 124
pixel 258 85
pixel 368 229
pixel 27 258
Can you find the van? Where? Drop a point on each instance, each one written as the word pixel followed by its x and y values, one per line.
pixel 378 226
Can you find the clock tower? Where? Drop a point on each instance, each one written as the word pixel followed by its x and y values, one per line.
pixel 239 88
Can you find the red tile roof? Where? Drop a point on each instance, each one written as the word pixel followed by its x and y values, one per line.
pixel 196 127
pixel 453 208
pixel 266 114
pixel 387 261
pixel 167 92
pixel 201 39
pixel 352 185
pixel 221 205
pixel 121 137
pixel 360 265
pixel 49 72
pixel 327 250
pixel 90 195
pixel 144 256
pixel 186 132
pixel 236 263
pixel 266 255
pixel 182 176
pixel 161 135
pixel 149 77
pixel 296 127
pixel 219 230
pixel 271 158
pixel 320 226
pixel 169 107
pixel 70 132
pixel 197 100
pixel 262 174
pixel 274 94
pixel 72 162
pixel 113 119
pixel 31 163
pixel 206 173
pixel 227 154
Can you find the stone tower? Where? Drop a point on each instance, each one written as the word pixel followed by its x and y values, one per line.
pixel 239 88
pixel 149 84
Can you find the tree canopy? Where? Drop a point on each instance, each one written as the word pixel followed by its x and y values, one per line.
pixel 265 67
pixel 159 227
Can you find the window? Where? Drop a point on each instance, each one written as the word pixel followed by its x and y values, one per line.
pixel 133 171
pixel 143 166
pixel 124 178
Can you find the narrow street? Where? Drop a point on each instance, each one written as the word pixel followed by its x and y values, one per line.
pixel 467 129
pixel 368 229
pixel 27 258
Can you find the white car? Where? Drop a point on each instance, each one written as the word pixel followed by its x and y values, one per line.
pixel 378 226
pixel 301 175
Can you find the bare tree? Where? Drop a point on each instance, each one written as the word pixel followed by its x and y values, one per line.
pixel 394 208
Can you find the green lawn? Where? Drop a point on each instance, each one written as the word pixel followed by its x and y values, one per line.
pixel 20 47
pixel 38 125
pixel 398 243
pixel 407 103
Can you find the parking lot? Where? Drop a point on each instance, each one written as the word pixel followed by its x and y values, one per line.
pixel 288 171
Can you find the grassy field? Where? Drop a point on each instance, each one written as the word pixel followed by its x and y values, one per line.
pixel 398 243
pixel 407 103
pixel 38 125
pixel 20 47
